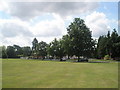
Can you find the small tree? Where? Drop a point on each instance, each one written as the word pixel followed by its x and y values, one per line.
pixel 42 49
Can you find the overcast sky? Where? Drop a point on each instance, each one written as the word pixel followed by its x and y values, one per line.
pixel 21 22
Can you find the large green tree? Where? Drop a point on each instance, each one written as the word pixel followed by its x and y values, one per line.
pixel 81 38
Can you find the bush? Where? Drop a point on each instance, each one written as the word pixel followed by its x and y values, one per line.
pixel 107 57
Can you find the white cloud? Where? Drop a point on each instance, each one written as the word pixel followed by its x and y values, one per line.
pixel 4 5
pixel 98 23
pixel 29 10
pixel 21 28
pixel 16 31
pixel 50 28
pixel 14 27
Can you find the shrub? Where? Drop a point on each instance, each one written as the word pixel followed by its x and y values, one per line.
pixel 107 57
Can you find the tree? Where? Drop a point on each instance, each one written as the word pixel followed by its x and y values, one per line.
pixel 35 47
pixel 109 45
pixel 81 38
pixel 67 45
pixel 11 52
pixel 42 49
pixel 18 50
pixel 115 44
pixel 60 49
pixel 101 46
pixel 26 51
pixel 3 53
pixel 52 49
pixel 55 49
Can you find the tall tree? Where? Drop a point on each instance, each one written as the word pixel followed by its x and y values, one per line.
pixel 115 43
pixel 101 46
pixel 80 36
pixel 35 47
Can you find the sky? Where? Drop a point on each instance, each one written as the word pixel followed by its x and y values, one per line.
pixel 21 22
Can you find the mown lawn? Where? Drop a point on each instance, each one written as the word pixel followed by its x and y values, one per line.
pixel 50 74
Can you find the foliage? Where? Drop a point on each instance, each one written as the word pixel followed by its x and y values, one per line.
pixel 3 53
pixel 67 45
pixel 107 57
pixel 18 50
pixel 26 51
pixel 81 39
pixel 11 52
pixel 42 49
pixel 35 47
pixel 77 42
pixel 109 45
pixel 55 49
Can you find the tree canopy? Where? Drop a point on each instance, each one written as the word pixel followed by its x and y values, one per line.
pixel 77 42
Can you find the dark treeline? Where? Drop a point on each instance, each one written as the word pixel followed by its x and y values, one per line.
pixel 77 42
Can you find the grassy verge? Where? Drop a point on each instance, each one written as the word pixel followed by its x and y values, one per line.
pixel 19 73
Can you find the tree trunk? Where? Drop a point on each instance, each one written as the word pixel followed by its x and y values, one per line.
pixel 68 57
pixel 60 58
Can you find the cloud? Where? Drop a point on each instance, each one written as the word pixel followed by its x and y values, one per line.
pixel 29 10
pixel 13 28
pixel 50 28
pixel 98 23
pixel 16 31
pixel 25 23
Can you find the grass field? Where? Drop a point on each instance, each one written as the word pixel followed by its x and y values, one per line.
pixel 52 74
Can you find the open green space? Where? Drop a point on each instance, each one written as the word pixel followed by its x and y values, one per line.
pixel 20 73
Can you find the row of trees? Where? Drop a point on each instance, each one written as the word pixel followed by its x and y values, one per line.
pixel 78 41
pixel 109 45
pixel 15 51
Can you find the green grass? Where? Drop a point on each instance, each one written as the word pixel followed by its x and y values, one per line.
pixel 50 74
